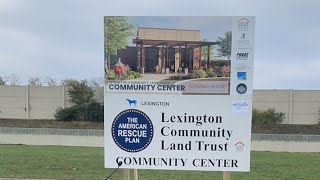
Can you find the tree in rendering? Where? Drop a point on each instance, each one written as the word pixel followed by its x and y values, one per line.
pixel 116 31
pixel 224 44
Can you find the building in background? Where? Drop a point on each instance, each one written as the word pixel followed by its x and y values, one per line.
pixel 170 50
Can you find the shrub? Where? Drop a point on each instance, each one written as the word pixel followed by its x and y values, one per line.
pixel 176 77
pixel 67 114
pixel 95 112
pixel 133 74
pixel 111 74
pixel 210 73
pixel 81 95
pixel 199 74
pixel 269 116
pixel 136 74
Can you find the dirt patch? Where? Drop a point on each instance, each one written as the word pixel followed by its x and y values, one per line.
pixel 40 123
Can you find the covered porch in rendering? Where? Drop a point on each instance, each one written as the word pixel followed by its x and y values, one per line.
pixel 170 56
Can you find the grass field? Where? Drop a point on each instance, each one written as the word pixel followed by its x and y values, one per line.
pixel 56 162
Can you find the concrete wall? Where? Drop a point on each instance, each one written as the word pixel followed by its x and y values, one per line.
pixel 299 106
pixel 13 102
pixel 43 101
pixel 26 102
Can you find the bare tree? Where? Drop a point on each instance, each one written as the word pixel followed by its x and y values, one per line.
pixel 96 82
pixel 13 79
pixel 35 81
pixel 51 81
pixel 68 82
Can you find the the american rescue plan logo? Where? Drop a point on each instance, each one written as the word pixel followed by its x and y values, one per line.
pixel 132 130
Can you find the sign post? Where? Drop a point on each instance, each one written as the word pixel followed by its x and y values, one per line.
pixel 126 174
pixel 226 175
pixel 135 174
pixel 196 120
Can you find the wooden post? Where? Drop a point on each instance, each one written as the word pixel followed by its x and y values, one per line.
pixel 226 175
pixel 135 174
pixel 126 174
pixel 200 49
pixel 180 57
pixel 208 58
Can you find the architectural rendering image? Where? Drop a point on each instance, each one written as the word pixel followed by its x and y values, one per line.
pixel 148 46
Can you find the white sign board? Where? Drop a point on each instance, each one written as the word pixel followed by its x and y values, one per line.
pixel 190 123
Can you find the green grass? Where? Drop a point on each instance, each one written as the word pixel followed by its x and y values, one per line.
pixel 56 162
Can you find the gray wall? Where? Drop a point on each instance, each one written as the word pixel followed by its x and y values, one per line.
pixel 30 102
pixel 299 106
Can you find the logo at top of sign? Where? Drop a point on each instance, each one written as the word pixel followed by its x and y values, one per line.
pixel 132 130
pixel 243 22
pixel 241 88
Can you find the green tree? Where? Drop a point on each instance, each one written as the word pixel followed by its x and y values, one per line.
pixel 81 95
pixel 2 81
pixel 116 31
pixel 225 44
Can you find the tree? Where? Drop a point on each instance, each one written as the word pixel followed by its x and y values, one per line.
pixel 35 81
pixel 81 95
pixel 225 44
pixel 51 82
pixel 116 31
pixel 68 82
pixel 3 81
pixel 96 82
pixel 13 79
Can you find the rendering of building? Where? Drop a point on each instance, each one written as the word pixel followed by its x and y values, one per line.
pixel 165 50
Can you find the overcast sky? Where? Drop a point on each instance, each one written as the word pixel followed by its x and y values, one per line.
pixel 64 39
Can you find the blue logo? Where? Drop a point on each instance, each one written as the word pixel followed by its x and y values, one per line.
pixel 132 102
pixel 132 130
pixel 242 75
pixel 241 88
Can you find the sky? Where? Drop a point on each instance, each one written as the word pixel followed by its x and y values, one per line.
pixel 64 39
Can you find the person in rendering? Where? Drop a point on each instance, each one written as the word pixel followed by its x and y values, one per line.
pixel 118 69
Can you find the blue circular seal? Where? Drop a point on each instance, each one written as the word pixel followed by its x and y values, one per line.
pixel 132 130
pixel 241 88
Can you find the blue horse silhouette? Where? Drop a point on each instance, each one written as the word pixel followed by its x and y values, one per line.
pixel 134 102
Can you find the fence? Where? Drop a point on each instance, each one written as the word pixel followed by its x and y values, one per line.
pixel 94 138
pixel 285 137
pixel 100 133
pixel 35 102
